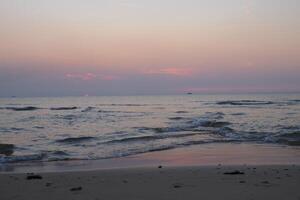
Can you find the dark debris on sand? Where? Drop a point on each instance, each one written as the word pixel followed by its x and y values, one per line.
pixel 76 188
pixel 177 185
pixel 48 184
pixel 265 182
pixel 236 172
pixel 33 176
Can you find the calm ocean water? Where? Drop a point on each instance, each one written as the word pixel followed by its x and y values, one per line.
pixel 72 128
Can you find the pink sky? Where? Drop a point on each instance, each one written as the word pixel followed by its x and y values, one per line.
pixel 182 44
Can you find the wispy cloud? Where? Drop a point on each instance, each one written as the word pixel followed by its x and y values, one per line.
pixel 169 71
pixel 91 76
pixel 84 77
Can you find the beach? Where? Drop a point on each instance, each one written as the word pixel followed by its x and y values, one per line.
pixel 229 171
pixel 150 100
pixel 209 182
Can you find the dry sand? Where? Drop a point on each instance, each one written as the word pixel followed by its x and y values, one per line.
pixel 255 182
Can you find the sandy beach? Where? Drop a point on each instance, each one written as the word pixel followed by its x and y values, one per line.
pixel 227 171
pixel 149 100
pixel 209 182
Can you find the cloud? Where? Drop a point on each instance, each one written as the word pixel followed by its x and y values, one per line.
pixel 91 76
pixel 84 77
pixel 170 71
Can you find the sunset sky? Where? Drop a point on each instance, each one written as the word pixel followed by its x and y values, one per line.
pixel 128 47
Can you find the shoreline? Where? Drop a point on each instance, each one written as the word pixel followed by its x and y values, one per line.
pixel 197 155
pixel 224 171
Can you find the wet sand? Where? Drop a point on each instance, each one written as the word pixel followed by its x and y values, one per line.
pixel 160 182
pixel 198 155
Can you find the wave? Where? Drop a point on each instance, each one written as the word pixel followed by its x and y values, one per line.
pixel 38 127
pixel 62 156
pixel 229 136
pixel 59 153
pixel 108 111
pixel 176 118
pixel 44 156
pixel 215 124
pixel 292 138
pixel 116 111
pixel 213 115
pixel 210 122
pixel 66 117
pixel 27 108
pixel 11 130
pixel 129 104
pixel 88 109
pixel 192 126
pixel 295 100
pixel 181 112
pixel 164 129
pixel 75 139
pixel 163 148
pixel 168 147
pixel 238 114
pixel 288 128
pixel 244 102
pixel 153 137
pixel 21 158
pixel 64 108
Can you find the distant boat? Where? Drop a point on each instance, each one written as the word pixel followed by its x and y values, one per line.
pixel 189 93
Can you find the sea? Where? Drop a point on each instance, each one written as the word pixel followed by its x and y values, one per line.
pixel 95 128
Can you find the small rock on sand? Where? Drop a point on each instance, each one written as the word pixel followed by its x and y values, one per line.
pixel 177 185
pixel 265 182
pixel 31 177
pixel 236 172
pixel 48 184
pixel 76 188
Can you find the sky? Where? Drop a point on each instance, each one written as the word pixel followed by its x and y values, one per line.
pixel 140 47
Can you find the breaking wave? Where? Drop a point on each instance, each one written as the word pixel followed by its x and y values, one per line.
pixel 88 109
pixel 21 158
pixel 153 137
pixel 75 139
pixel 292 138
